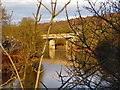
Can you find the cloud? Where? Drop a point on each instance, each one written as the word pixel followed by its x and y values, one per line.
pixel 25 8
pixel 43 20
pixel 20 1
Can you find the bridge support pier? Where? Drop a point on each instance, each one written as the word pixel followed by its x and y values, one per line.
pixel 52 48
pixel 70 54
pixel 68 49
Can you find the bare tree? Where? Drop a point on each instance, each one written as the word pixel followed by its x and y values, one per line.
pixel 96 62
pixel 27 39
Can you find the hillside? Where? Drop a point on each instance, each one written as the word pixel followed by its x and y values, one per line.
pixel 63 26
pixel 57 27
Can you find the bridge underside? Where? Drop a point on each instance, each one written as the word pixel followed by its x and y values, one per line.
pixel 52 38
pixel 68 46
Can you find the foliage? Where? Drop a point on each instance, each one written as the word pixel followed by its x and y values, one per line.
pixel 25 37
pixel 57 27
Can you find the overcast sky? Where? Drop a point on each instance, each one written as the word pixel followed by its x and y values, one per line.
pixel 25 8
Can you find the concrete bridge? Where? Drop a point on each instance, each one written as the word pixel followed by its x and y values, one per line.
pixel 52 38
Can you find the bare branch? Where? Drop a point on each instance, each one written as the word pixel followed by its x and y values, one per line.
pixel 63 8
pixel 39 18
pixel 47 9
pixel 33 15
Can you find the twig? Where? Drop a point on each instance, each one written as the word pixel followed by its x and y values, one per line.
pixel 63 8
pixel 12 65
pixel 47 9
pixel 8 81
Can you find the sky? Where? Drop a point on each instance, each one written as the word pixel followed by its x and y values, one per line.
pixel 25 8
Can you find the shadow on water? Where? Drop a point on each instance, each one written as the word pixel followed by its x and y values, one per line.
pixel 46 77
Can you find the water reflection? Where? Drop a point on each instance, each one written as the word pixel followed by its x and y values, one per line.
pixel 46 77
pixel 48 74
pixel 59 54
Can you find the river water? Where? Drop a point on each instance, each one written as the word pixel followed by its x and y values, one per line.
pixel 49 73
pixel 48 76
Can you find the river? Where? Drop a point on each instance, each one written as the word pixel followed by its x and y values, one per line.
pixel 49 74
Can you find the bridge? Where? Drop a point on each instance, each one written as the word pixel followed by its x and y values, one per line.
pixel 52 38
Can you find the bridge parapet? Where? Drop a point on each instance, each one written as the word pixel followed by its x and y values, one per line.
pixel 59 36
